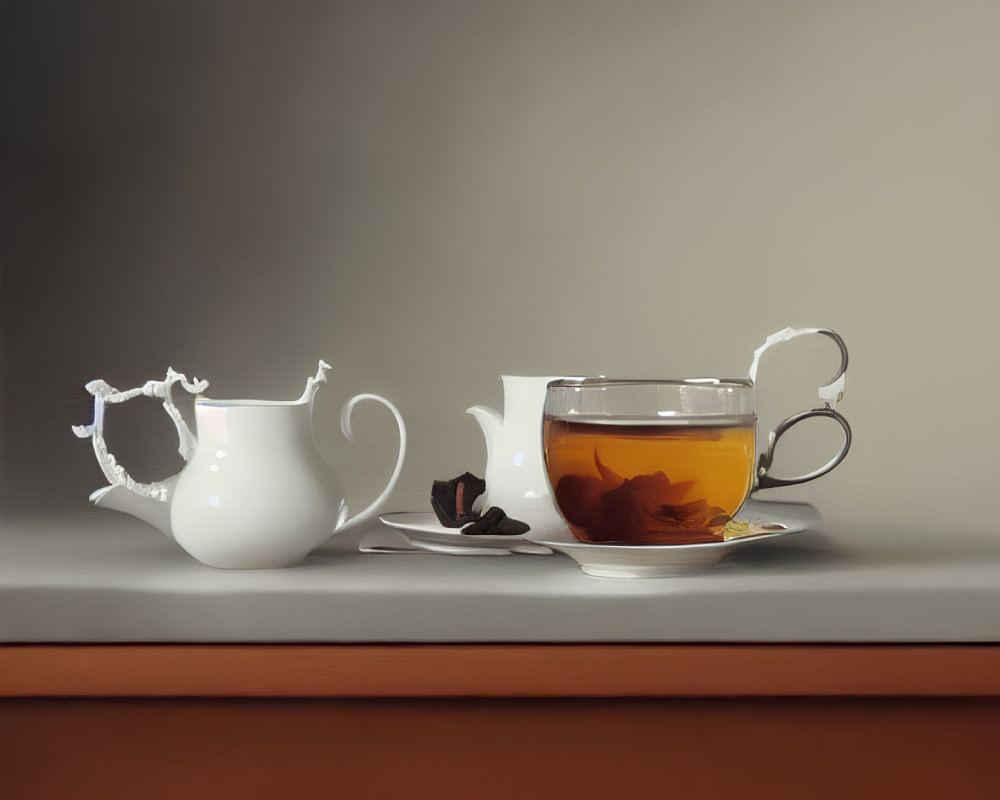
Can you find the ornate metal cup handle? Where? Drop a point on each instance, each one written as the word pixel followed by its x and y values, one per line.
pixel 765 481
pixel 830 393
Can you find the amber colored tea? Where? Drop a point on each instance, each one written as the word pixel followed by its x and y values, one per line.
pixel 675 481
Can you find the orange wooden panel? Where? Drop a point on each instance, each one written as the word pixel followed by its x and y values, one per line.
pixel 492 749
pixel 408 670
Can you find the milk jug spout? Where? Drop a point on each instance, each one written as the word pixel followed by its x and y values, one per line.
pixel 491 422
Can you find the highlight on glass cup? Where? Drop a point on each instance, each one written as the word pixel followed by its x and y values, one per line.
pixel 659 461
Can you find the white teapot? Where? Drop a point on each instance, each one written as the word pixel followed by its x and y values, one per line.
pixel 254 493
pixel 516 479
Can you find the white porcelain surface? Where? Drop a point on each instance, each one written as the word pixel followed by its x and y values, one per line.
pixel 659 561
pixel 255 493
pixel 421 527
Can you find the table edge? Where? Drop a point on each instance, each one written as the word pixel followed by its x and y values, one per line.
pixel 499 670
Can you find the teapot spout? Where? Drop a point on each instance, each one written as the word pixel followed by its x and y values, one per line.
pixel 149 510
pixel 491 421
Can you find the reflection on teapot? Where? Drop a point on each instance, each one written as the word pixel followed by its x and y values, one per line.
pixel 254 493
pixel 515 469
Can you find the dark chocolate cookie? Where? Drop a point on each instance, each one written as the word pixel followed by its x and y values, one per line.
pixel 452 500
pixel 497 523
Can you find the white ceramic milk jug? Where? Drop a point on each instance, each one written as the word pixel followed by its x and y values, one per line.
pixel 254 493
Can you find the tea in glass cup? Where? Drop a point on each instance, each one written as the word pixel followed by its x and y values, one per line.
pixel 655 462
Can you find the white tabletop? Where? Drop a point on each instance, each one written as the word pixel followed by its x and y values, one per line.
pixel 103 577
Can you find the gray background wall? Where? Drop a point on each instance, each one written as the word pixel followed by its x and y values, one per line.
pixel 429 194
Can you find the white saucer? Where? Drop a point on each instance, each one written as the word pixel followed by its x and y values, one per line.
pixel 424 527
pixel 765 520
pixel 616 560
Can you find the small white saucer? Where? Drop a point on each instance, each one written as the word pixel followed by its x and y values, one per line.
pixel 659 561
pixel 424 527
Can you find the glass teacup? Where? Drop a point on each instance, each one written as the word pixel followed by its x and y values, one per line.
pixel 660 461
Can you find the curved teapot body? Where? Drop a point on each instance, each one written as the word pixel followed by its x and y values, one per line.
pixel 256 494
pixel 516 479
